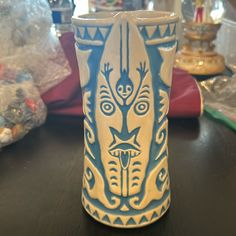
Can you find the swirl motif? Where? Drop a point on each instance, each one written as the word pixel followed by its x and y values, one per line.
pixel 161 138
pixel 88 137
pixel 88 174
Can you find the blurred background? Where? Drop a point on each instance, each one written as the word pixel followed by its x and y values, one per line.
pixel 225 10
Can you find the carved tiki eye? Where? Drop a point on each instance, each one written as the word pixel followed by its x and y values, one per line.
pixel 142 105
pixel 107 107
pixel 120 88
pixel 141 108
pixel 128 88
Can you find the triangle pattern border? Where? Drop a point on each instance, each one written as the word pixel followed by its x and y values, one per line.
pixel 99 215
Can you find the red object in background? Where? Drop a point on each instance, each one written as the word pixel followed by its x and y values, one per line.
pixel 66 97
pixel 198 17
pixel 185 97
pixel 31 104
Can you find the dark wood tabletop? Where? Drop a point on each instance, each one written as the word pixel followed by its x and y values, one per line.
pixel 40 182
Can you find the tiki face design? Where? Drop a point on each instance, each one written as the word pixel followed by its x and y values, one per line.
pixel 124 86
pixel 126 113
pixel 125 65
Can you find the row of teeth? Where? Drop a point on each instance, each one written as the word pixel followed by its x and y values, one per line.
pixel 118 153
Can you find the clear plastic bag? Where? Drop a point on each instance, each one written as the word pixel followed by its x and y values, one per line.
pixel 21 107
pixel 219 98
pixel 26 41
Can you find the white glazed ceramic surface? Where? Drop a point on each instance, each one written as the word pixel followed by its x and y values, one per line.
pixel 125 61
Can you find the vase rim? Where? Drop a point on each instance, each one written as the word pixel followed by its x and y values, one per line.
pixel 141 17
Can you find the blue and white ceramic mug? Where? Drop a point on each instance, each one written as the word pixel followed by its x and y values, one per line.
pixel 125 61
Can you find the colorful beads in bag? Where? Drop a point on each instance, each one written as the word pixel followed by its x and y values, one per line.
pixel 21 107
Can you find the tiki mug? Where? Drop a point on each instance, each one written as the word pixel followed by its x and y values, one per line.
pixel 125 61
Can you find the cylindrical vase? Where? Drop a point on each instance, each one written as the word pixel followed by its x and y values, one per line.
pixel 125 61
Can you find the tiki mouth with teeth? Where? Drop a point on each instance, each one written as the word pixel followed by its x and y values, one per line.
pixel 124 148
pixel 124 151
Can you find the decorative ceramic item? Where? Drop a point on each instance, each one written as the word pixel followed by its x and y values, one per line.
pixel 125 62
pixel 201 23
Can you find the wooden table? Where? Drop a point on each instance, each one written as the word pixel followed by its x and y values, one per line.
pixel 40 183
